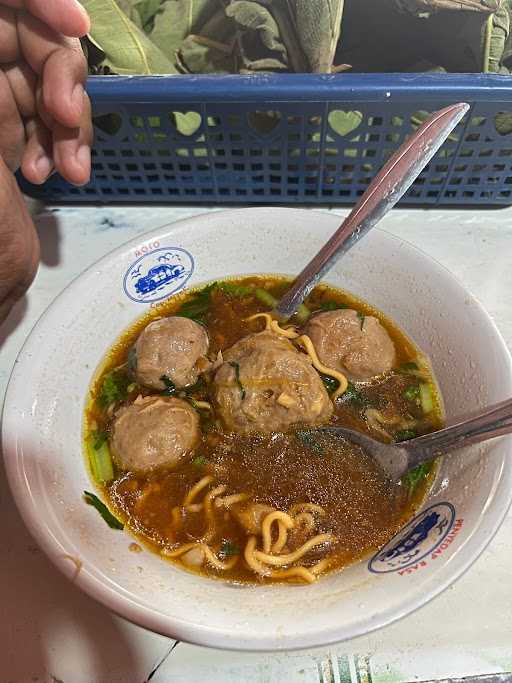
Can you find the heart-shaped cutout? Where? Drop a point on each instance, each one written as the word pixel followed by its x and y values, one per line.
pixel 344 123
pixel 187 123
pixel 264 122
pixel 503 122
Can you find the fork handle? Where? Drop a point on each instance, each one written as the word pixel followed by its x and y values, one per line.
pixel 494 421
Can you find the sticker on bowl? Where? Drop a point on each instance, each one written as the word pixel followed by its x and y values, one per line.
pixel 159 274
pixel 417 540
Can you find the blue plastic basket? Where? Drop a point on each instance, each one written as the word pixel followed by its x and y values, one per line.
pixel 298 158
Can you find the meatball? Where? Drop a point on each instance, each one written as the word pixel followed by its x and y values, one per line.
pixel 153 432
pixel 345 341
pixel 175 347
pixel 266 385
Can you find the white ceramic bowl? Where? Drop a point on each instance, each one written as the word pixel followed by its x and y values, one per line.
pixel 43 422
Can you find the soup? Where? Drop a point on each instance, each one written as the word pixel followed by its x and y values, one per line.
pixel 201 431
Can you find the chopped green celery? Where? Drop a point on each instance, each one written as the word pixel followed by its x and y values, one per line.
pixel 100 459
pixel 413 478
pixel 268 299
pixel 200 461
pixel 332 306
pixel 426 400
pixel 228 549
pixel 233 289
pixel 197 306
pixel 236 367
pixel 330 383
pixel 114 388
pixel 412 393
pixel 405 435
pixel 408 367
pixel 353 395
pixel 170 387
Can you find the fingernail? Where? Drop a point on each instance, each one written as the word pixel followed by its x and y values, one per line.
pixel 83 157
pixel 44 167
pixel 77 98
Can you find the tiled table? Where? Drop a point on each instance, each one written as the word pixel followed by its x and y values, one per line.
pixel 50 632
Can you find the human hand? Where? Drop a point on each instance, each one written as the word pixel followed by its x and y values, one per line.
pixel 19 244
pixel 45 114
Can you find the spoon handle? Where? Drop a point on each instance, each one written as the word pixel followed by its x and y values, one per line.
pixel 494 421
pixel 385 190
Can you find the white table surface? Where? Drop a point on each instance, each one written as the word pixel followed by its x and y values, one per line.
pixel 50 632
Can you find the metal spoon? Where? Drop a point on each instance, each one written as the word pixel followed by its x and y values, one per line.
pixel 397 459
pixel 385 190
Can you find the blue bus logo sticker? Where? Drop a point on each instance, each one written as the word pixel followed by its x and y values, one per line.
pixel 158 275
pixel 418 539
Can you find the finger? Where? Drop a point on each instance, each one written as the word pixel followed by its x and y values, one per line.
pixel 9 48
pixel 12 131
pixel 64 16
pixel 72 148
pixel 37 163
pixel 23 84
pixel 61 64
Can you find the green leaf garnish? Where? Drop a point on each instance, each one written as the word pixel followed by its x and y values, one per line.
pixel 309 439
pixel 354 396
pixel 413 478
pixel 232 289
pixel 408 367
pixel 98 438
pixel 228 549
pixel 197 306
pixel 200 461
pixel 330 383
pixel 412 393
pixel 114 388
pixel 332 306
pixel 96 503
pixel 236 366
pixel 405 435
pixel 170 387
pixel 361 318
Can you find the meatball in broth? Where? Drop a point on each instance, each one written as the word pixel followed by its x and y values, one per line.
pixel 172 347
pixel 154 432
pixel 355 344
pixel 266 385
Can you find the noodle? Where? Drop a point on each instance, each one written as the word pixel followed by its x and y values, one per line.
pixel 210 529
pixel 214 560
pixel 202 405
pixel 179 551
pixel 176 517
pixel 321 566
pixel 252 562
pixel 286 522
pixel 228 501
pixel 197 488
pixel 272 325
pixel 281 560
pixel 196 507
pixel 281 539
pixel 308 345
pixel 300 572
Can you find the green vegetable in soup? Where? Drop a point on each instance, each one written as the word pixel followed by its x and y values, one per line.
pixel 330 383
pixel 412 393
pixel 114 388
pixel 109 518
pixel 414 478
pixel 408 367
pixel 332 306
pixel 199 461
pixel 309 439
pixel 361 318
pixel 354 396
pixel 170 387
pixel 236 367
pixel 100 459
pixel 405 435
pixel 426 400
pixel 197 307
pixel 228 549
pixel 232 289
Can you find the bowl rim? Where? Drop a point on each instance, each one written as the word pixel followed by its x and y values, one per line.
pixel 176 628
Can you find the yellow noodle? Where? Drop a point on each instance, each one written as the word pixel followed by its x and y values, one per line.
pixel 281 539
pixel 228 501
pixel 210 530
pixel 299 572
pixel 195 507
pixel 251 561
pixel 307 507
pixel 214 560
pixel 197 488
pixel 179 551
pixel 272 325
pixel 308 345
pixel 305 519
pixel 320 567
pixel 266 528
pixel 281 560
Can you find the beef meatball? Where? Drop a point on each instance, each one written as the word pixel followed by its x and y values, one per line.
pixel 175 347
pixel 358 346
pixel 266 385
pixel 153 432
